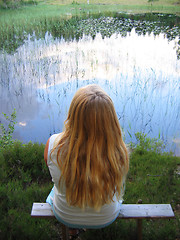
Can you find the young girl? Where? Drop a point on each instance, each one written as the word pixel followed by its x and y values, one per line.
pixel 88 162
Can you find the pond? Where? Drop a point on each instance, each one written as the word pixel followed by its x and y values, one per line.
pixel 140 72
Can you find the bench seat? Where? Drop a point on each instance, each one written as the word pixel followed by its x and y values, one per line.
pixel 128 211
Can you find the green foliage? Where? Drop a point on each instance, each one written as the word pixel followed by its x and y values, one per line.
pixel 120 229
pixel 153 0
pixel 24 162
pixel 74 3
pixel 6 133
pixel 152 178
pixel 13 4
pixel 14 31
pixel 25 179
pixel 145 143
pixel 15 208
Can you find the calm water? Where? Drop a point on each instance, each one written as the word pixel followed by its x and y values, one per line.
pixel 140 73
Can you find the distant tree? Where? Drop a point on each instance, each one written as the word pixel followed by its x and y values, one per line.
pixel 11 3
pixel 16 3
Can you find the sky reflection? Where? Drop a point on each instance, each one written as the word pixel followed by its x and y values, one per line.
pixel 140 73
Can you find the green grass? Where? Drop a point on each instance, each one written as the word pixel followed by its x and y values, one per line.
pixel 12 35
pixel 78 7
pixel 25 179
pixel 16 23
pixel 49 10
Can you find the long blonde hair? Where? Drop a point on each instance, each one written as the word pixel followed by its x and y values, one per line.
pixel 91 154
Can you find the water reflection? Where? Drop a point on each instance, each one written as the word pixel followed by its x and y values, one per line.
pixel 140 73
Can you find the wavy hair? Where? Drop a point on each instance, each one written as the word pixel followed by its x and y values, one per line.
pixel 91 154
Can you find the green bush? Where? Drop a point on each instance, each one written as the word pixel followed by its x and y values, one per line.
pixel 24 162
pixel 6 133
pixel 25 179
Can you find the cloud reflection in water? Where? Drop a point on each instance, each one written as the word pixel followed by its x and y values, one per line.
pixel 140 73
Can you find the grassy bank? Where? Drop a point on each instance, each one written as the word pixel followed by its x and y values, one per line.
pixel 16 24
pixel 66 8
pixel 132 6
pixel 25 179
pixel 53 9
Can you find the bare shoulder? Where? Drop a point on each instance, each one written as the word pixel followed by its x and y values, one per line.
pixel 46 151
pixel 55 141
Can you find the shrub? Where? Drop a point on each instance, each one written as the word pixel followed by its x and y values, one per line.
pixel 25 179
pixel 6 133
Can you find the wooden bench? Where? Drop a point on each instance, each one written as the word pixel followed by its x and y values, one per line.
pixel 128 211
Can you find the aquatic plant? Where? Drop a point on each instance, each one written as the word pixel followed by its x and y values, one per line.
pixel 48 71
pixel 110 25
pixel 14 35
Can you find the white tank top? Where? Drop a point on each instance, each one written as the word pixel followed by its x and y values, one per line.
pixel 75 216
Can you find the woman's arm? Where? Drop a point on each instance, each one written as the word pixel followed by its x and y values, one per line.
pixel 46 151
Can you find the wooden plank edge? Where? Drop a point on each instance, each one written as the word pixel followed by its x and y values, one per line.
pixel 36 214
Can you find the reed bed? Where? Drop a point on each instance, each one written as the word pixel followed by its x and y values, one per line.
pixel 15 30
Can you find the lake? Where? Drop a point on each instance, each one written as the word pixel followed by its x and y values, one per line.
pixel 140 72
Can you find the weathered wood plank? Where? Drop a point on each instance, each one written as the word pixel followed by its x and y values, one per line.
pixel 140 211
pixel 133 211
pixel 41 210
